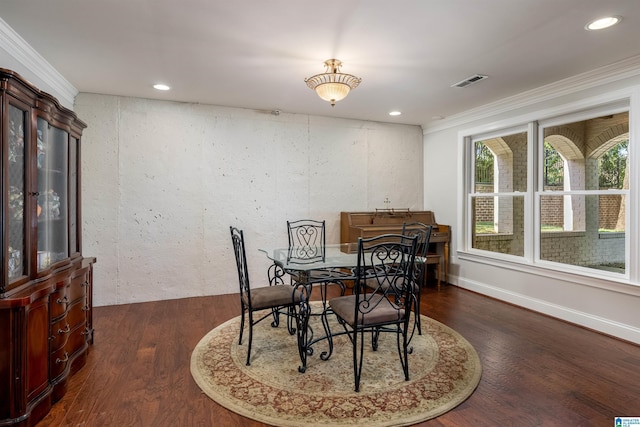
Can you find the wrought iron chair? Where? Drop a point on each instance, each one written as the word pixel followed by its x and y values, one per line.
pixel 382 299
pixel 307 244
pixel 423 232
pixel 307 240
pixel 276 297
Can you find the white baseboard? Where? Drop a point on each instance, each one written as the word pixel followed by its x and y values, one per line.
pixel 596 323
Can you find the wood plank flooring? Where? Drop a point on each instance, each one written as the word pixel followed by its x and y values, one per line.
pixel 537 371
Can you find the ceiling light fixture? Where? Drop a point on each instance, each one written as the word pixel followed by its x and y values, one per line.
pixel 161 86
pixel 602 23
pixel 395 113
pixel 332 85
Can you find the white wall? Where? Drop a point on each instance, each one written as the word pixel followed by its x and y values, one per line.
pixel 611 307
pixel 163 181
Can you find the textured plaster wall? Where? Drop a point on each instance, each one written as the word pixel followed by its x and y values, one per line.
pixel 163 181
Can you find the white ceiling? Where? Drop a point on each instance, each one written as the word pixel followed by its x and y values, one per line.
pixel 256 53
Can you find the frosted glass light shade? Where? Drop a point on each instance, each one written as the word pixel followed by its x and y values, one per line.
pixel 332 85
pixel 333 92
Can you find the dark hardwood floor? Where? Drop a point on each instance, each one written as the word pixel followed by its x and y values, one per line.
pixel 537 371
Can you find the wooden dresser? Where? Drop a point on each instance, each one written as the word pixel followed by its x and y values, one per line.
pixel 46 284
pixel 383 221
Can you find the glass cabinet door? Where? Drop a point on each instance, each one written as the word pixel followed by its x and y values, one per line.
pixel 74 244
pixel 16 224
pixel 52 208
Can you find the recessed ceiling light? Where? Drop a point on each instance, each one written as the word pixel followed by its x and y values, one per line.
pixel 395 113
pixel 602 23
pixel 161 86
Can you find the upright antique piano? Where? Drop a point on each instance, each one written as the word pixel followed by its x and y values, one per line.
pixel 384 221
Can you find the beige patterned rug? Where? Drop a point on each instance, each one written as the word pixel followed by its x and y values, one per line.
pixel 444 370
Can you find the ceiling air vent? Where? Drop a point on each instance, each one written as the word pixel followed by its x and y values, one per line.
pixel 470 80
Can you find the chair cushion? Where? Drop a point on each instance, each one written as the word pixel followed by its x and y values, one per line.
pixel 382 311
pixel 273 296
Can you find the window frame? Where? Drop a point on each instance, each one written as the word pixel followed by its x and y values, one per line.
pixel 539 191
pixel 471 193
pixel 535 123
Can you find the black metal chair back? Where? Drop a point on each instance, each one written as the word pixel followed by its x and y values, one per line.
pixel 307 241
pixel 237 238
pixel 384 275
pixel 274 299
pixel 423 233
pixel 383 296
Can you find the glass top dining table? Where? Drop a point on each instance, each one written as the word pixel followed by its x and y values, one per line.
pixel 331 256
pixel 322 265
pixel 332 263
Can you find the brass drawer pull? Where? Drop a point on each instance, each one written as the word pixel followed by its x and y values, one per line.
pixel 65 330
pixel 65 359
pixel 64 300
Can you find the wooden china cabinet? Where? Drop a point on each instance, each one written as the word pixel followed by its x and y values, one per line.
pixel 46 283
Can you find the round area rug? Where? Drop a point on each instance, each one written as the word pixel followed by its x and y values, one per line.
pixel 444 370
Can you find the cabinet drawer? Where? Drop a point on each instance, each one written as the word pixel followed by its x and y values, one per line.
pixel 59 302
pixel 76 314
pixel 77 341
pixel 79 284
pixel 62 358
pixel 59 360
pixel 60 331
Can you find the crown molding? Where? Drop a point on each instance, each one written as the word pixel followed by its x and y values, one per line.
pixel 36 66
pixel 620 70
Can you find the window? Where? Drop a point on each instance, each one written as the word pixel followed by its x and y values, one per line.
pixel 497 199
pixel 572 212
pixel 583 216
